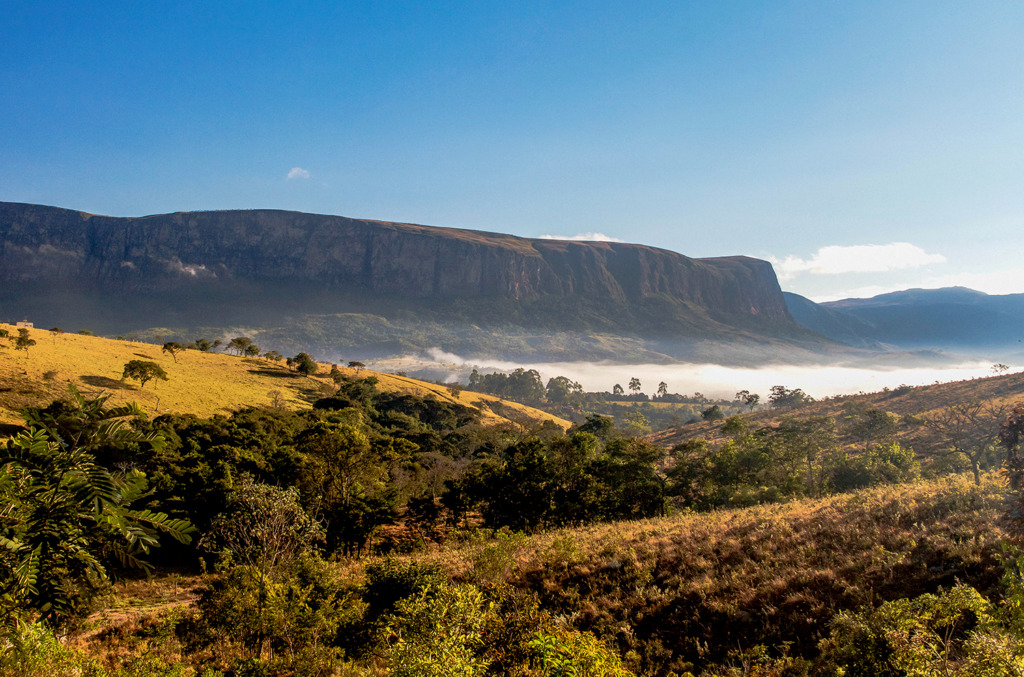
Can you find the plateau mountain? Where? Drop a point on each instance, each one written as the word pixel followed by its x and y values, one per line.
pixel 331 283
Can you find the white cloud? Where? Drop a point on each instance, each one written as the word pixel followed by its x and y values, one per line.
pixel 588 237
pixel 298 173
pixel 995 282
pixel 868 258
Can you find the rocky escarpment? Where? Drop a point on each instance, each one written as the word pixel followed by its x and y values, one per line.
pixel 311 260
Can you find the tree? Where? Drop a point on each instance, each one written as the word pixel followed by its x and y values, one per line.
pixel 143 371
pixel 562 390
pixel 24 341
pixel 662 389
pixel 252 350
pixel 617 390
pixel 205 345
pixel 263 534
pixel 343 475
pixel 264 527
pixel 173 348
pixel 748 399
pixel 356 365
pixel 64 514
pixel 303 363
pixel 871 425
pixel 1011 437
pixel 634 385
pixel 713 413
pixel 971 429
pixel 273 356
pixel 783 398
pixel 239 344
pixel 999 368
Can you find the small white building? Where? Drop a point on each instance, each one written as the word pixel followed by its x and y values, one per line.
pixel 24 323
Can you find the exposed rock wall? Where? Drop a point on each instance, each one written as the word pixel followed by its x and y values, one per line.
pixel 46 245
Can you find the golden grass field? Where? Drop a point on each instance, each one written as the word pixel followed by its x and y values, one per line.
pixel 198 383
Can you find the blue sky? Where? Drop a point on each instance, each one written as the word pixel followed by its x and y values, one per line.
pixel 862 147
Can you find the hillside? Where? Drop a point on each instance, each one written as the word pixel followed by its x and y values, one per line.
pixel 198 383
pixel 686 592
pixel 410 287
pixel 910 403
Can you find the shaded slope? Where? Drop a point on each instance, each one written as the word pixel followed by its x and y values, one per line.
pixel 257 267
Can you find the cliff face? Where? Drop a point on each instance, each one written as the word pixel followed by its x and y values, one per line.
pixel 46 247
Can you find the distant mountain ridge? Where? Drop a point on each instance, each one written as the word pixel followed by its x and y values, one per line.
pixel 249 267
pixel 952 318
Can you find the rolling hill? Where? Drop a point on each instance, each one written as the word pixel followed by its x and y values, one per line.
pixel 198 383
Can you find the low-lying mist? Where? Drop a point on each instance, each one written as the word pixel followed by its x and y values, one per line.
pixel 712 380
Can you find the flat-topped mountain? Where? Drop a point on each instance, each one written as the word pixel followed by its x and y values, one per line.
pixel 248 267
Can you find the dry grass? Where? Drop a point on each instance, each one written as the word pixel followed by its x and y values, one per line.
pixel 681 591
pixel 199 383
pixel 920 401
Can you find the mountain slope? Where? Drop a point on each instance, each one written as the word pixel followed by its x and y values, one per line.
pixel 258 267
pixel 953 318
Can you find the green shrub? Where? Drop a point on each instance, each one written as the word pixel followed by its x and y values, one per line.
pixel 296 617
pixel 437 632
pixel 956 633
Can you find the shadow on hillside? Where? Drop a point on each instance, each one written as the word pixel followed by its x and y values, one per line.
pixel 148 357
pixel 277 373
pixel 105 382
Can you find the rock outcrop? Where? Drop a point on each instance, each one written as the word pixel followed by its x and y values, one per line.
pixel 317 259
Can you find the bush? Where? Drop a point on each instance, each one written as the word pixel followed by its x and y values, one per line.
pixel 954 633
pixel 296 618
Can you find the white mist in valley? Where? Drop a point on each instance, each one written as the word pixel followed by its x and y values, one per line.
pixel 713 380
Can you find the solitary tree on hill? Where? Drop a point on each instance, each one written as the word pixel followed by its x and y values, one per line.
pixel 173 348
pixel 143 371
pixel 662 389
pixel 634 385
pixel 617 389
pixel 24 341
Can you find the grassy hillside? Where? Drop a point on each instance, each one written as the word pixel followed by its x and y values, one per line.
pixel 912 404
pixel 695 590
pixel 198 383
pixel 684 591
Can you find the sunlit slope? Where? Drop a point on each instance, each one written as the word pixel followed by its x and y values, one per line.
pixel 198 383
pixel 692 587
pixel 920 402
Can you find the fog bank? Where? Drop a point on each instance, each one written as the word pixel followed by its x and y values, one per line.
pixel 712 380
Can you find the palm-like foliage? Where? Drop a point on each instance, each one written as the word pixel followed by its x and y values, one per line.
pixel 62 514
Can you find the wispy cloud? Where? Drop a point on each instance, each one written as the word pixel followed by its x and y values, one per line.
pixel 588 237
pixel 298 173
pixel 868 258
